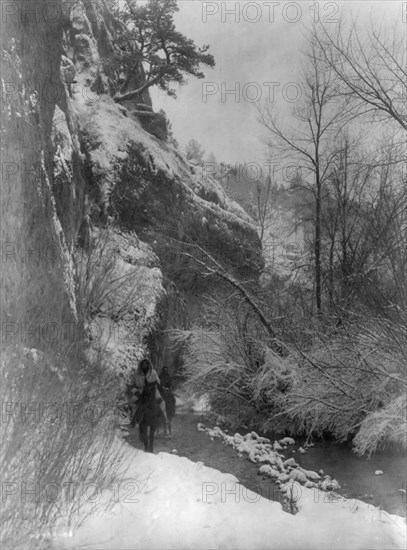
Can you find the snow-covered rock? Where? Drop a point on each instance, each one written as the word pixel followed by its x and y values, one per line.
pixel 329 485
pixel 313 476
pixel 287 441
pixel 268 470
pixel 290 462
pixel 298 475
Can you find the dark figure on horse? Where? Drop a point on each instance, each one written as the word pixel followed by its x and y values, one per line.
pixel 146 403
pixel 149 415
pixel 152 402
pixel 169 398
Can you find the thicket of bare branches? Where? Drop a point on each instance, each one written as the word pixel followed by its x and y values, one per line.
pixel 370 66
pixel 227 359
pixel 61 410
pixel 106 287
pixel 351 380
pixel 57 432
pixel 339 383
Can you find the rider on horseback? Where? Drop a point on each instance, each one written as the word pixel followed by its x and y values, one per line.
pixel 169 397
pixel 166 380
pixel 145 374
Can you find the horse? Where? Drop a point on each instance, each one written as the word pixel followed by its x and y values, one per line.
pixel 148 415
pixel 169 399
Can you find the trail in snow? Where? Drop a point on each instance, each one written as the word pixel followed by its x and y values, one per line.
pixel 192 444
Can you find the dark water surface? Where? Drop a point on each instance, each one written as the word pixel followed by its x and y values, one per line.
pixel 355 475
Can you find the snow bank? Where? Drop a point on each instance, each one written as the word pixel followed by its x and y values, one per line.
pixel 170 502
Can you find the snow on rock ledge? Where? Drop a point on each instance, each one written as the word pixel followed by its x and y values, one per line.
pixel 143 182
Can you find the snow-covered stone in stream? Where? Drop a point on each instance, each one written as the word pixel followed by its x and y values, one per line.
pixel 266 470
pixel 243 447
pixel 287 441
pixel 214 432
pixel 283 478
pixel 253 457
pixel 321 472
pixel 251 435
pixel 264 458
pixel 297 475
pixel 264 440
pixel 302 450
pixel 313 476
pixel 237 438
pixel 201 427
pixel 275 460
pixel 277 446
pixel 329 485
pixel 309 484
pixel 378 473
pixel 290 462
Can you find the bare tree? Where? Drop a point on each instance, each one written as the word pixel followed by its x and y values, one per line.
pixel 387 228
pixel 263 199
pixel 373 72
pixel 310 140
pixel 209 266
pixel 343 216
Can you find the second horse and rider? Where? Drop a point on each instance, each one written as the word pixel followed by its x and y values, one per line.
pixel 144 376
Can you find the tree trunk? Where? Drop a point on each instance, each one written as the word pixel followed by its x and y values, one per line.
pixel 317 247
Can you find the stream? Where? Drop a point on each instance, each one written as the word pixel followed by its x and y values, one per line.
pixel 356 475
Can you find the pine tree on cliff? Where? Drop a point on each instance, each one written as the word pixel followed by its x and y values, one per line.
pixel 194 151
pixel 152 41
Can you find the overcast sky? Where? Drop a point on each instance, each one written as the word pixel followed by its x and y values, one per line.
pixel 260 43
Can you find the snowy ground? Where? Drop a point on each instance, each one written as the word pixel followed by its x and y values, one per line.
pixel 165 501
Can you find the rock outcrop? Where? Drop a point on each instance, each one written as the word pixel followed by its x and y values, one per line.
pixel 93 168
pixel 38 239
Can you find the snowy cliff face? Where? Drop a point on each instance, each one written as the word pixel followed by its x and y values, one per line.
pixel 102 178
pixel 37 242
